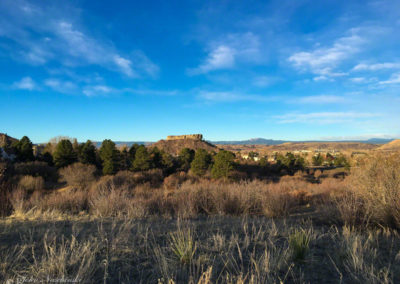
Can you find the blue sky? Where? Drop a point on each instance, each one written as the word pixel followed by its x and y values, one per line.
pixel 142 70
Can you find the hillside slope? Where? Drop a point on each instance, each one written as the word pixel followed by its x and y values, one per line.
pixel 391 146
pixel 6 140
pixel 173 147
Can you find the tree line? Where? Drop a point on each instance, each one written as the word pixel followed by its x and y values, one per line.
pixel 110 159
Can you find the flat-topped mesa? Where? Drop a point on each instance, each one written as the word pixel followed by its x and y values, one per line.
pixel 189 136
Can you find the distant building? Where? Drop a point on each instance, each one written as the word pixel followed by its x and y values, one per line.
pixel 246 157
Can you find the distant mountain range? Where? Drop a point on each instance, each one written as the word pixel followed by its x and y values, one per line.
pixel 253 141
pixel 258 141
pixel 262 141
pixel 127 143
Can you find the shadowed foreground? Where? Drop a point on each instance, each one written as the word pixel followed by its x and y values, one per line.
pixel 202 250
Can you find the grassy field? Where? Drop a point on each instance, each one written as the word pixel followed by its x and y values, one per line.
pixel 140 228
pixel 201 250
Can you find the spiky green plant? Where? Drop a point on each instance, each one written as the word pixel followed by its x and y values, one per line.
pixel 183 245
pixel 299 242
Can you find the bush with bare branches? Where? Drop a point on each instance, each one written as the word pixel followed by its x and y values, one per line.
pixel 78 175
pixel 373 193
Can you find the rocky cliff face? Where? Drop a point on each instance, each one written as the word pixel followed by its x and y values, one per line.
pixel 190 136
pixel 6 140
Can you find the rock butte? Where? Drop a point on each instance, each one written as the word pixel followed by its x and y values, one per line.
pixel 189 136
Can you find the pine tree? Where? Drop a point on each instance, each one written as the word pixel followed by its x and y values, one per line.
pixel 87 153
pixel 132 151
pixel 156 158
pixel 64 154
pixel 125 161
pixel 201 162
pixel 142 160
pixel 167 162
pixel 109 156
pixel 224 164
pixel 23 149
pixel 185 157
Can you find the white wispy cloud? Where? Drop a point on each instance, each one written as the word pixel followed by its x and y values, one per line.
pixel 228 51
pixel 98 90
pixel 264 81
pixel 231 96
pixel 320 99
pixel 104 90
pixel 40 34
pixel 151 92
pixel 221 57
pixel 143 63
pixel 376 66
pixel 323 60
pixel 25 83
pixel 61 86
pixel 394 79
pixel 124 64
pixel 323 117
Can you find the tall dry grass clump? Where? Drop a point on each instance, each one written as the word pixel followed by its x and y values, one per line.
pixel 30 183
pixel 68 202
pixel 78 175
pixel 373 194
pixel 113 196
pixel 5 202
pixel 244 198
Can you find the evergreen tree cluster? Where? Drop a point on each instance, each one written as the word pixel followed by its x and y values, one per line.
pixel 290 162
pixel 109 159
pixel 64 151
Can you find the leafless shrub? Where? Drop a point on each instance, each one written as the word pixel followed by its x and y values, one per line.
pixel 5 204
pixel 30 183
pixel 155 177
pixel 18 201
pixel 110 203
pixel 175 180
pixel 78 175
pixel 373 192
pixel 68 202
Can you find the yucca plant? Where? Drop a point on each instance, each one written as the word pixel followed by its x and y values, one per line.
pixel 183 245
pixel 299 242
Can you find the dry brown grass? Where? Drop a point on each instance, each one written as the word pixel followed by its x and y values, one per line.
pixel 94 236
pixel 30 183
pixel 368 196
pixel 213 250
pixel 78 175
pixel 373 192
pixel 125 194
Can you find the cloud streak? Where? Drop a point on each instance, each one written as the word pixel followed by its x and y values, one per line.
pixel 322 61
pixel 323 117
pixel 321 99
pixel 61 86
pixel 58 38
pixel 25 83
pixel 377 66
pixel 394 79
pixel 229 96
pixel 227 52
